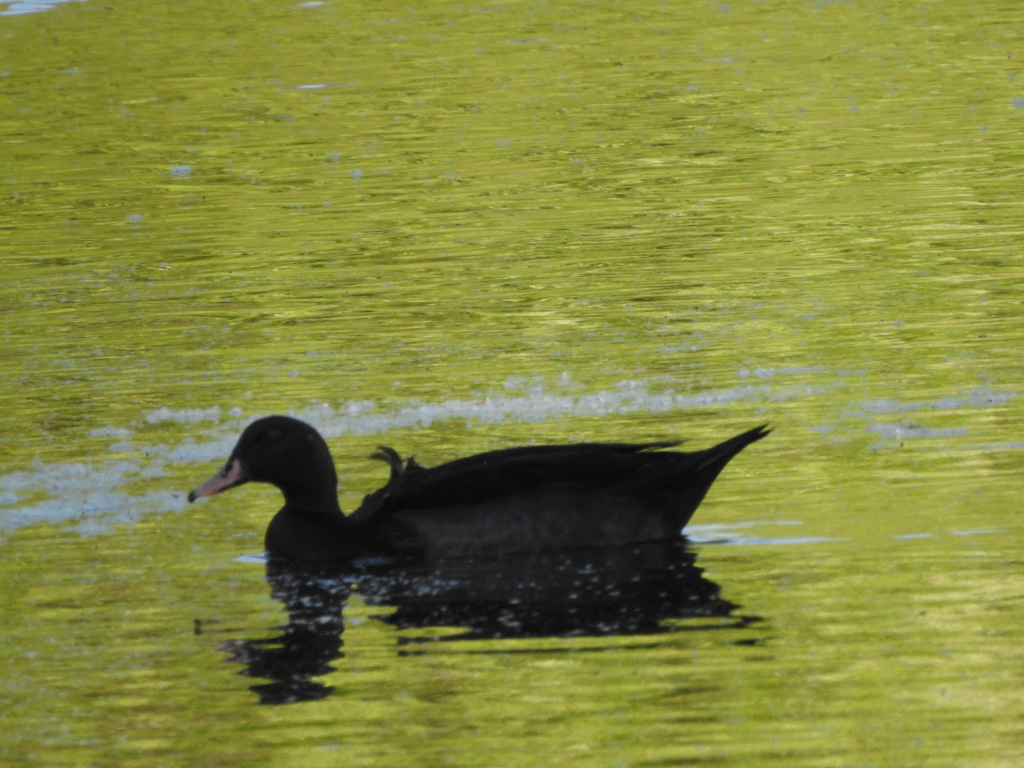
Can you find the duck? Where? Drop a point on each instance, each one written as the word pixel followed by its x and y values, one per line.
pixel 535 498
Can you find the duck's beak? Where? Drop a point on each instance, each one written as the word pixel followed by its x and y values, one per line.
pixel 230 475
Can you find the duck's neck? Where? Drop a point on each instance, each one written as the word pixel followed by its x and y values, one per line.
pixel 311 488
pixel 314 500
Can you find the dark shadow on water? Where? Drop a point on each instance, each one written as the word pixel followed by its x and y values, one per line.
pixel 588 593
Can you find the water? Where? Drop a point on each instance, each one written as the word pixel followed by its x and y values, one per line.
pixel 457 228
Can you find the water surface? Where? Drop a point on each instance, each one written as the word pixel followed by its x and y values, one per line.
pixel 455 228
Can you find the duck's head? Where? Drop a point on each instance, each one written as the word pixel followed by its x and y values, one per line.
pixel 284 452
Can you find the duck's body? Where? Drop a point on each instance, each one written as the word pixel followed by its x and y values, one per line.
pixel 526 499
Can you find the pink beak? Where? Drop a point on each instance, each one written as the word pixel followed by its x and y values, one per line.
pixel 230 475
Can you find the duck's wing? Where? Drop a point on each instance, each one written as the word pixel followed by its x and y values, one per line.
pixel 487 476
pixel 521 499
pixel 549 453
pixel 636 468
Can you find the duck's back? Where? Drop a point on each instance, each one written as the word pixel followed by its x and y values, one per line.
pixel 539 498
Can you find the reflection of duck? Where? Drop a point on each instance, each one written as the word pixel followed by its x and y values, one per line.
pixel 605 592
pixel 309 642
pixel 596 592
pixel 529 499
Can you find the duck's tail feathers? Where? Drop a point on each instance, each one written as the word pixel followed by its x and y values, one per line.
pixel 722 454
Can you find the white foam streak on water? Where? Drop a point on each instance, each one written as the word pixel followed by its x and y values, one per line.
pixel 90 492
pixel 21 7
pixel 721 533
pixel 728 534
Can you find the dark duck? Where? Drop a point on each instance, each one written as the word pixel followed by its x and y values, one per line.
pixel 539 498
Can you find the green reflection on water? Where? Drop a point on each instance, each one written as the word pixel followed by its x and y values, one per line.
pixel 819 201
pixel 539 192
